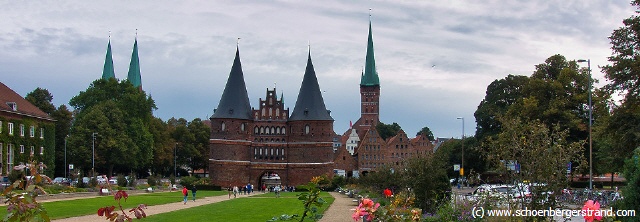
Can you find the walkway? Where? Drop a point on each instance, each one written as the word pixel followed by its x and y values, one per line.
pixel 340 210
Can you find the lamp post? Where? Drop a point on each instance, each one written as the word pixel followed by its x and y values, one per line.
pixel 462 140
pixel 175 157
pixel 65 156
pixel 93 156
pixel 590 113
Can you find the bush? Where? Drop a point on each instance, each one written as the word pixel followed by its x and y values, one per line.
pixel 121 180
pixel 132 180
pixel 152 181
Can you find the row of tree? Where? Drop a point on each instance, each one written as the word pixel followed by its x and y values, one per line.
pixel 112 131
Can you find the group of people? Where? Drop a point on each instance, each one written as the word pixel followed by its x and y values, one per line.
pixel 246 189
pixel 185 193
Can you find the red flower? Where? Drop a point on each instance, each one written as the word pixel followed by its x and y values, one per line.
pixel 387 192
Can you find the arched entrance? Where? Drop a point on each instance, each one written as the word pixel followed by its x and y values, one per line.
pixel 270 179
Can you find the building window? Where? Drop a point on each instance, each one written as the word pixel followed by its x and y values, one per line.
pixel 10 157
pixel 41 133
pixel 242 127
pixel 41 150
pixel 283 131
pixel 21 148
pixel 307 128
pixel 32 131
pixel 223 126
pixel 0 130
pixel 32 151
pixel 21 129
pixel 256 130
pixel 10 129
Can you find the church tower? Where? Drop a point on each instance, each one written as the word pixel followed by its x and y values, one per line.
pixel 107 71
pixel 369 91
pixel 134 67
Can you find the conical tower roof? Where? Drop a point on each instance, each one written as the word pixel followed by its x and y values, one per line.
pixel 310 105
pixel 107 71
pixel 370 76
pixel 234 103
pixel 134 67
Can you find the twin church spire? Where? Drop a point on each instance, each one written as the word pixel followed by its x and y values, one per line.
pixel 134 67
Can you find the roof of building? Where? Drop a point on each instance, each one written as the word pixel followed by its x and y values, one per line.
pixel 234 103
pixel 12 102
pixel 134 67
pixel 370 75
pixel 107 71
pixel 310 105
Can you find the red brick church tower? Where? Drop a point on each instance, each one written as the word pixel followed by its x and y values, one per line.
pixel 266 145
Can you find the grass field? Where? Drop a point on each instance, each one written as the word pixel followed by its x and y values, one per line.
pixel 257 208
pixel 80 207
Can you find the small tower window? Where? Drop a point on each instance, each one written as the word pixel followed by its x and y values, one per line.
pixel 223 126
pixel 242 126
pixel 307 128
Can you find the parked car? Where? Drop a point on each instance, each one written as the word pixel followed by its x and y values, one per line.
pixel 61 180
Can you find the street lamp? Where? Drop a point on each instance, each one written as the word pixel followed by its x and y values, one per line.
pixel 175 157
pixel 590 119
pixel 65 156
pixel 462 140
pixel 93 156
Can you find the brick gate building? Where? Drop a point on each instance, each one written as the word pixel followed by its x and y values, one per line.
pixel 255 145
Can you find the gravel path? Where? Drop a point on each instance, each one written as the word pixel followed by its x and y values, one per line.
pixel 340 210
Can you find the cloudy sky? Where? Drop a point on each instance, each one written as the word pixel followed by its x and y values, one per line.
pixel 434 58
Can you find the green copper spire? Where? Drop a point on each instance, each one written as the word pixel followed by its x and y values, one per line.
pixel 107 71
pixel 370 76
pixel 134 67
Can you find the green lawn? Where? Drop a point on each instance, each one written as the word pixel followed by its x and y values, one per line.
pixel 256 208
pixel 80 207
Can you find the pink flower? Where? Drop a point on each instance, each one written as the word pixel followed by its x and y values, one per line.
pixel 591 211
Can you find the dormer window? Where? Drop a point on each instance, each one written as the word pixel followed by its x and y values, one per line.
pixel 13 106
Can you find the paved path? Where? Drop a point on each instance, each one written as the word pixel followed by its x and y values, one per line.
pixel 158 209
pixel 340 210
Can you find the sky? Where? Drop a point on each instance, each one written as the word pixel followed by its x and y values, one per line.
pixel 435 59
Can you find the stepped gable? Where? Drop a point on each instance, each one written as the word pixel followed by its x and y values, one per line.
pixel 234 103
pixel 310 104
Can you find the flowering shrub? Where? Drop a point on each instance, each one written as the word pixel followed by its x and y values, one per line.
pixel 22 206
pixel 112 215
pixel 311 201
pixel 400 209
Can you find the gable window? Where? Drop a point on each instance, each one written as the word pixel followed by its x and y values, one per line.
pixel 10 129
pixel 32 131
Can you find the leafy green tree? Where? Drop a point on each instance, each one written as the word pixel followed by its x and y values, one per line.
pixel 201 133
pixel 163 146
pixel 427 132
pixel 41 98
pixel 120 115
pixel 193 142
pixel 450 152
pixel 542 154
pixel 387 131
pixel 63 118
pixel 501 94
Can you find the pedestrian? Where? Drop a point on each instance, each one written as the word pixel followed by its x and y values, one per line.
pixel 235 191
pixel 185 193
pixel 277 190
pixel 230 189
pixel 193 192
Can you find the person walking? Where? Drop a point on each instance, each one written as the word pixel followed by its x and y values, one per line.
pixel 185 193
pixel 193 192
